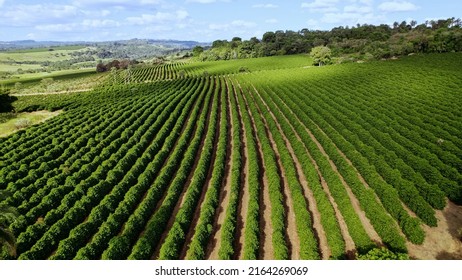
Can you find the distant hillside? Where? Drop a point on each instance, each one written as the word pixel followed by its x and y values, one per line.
pixel 28 56
pixel 29 44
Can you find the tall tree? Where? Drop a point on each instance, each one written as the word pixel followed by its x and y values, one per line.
pixel 6 101
pixel 197 51
pixel 321 55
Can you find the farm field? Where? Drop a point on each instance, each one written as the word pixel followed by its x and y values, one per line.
pixel 280 161
pixel 11 61
pixel 35 78
pixel 40 54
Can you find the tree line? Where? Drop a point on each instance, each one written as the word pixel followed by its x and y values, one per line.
pixel 360 41
pixel 116 64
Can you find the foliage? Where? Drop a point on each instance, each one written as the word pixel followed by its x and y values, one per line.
pixel 6 102
pixel 382 254
pixel 360 42
pixel 321 55
pixel 115 64
pixel 7 239
pixel 22 123
pixel 197 51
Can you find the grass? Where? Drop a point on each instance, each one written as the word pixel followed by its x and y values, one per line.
pixel 5 67
pixel 35 78
pixel 24 120
pixel 60 48
pixel 4 117
pixel 11 61
pixel 70 83
pixel 251 64
pixel 34 55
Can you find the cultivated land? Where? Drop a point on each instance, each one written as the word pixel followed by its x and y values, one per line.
pixel 249 159
pixel 11 61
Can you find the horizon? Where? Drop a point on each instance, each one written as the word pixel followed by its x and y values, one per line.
pixel 200 20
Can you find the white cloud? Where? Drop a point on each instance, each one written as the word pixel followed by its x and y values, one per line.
pixel 96 13
pixel 148 19
pixel 1 3
pixel 56 27
pixel 205 1
pixel 272 20
pixel 115 2
pixel 181 14
pixel 340 17
pixel 365 2
pixel 201 1
pixel 85 25
pixel 215 26
pixel 321 6
pixel 397 6
pixel 150 2
pixel 351 18
pixel 97 23
pixel 242 24
pixel 26 15
pixel 265 6
pixel 159 17
pixel 157 28
pixel 313 24
pixel 336 6
pixel 358 9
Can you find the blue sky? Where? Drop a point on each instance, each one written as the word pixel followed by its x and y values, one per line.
pixel 201 20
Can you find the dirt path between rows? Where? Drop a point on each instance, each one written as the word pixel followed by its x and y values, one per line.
pixel 197 212
pixel 244 193
pixel 214 243
pixel 349 243
pixel 291 235
pixel 266 228
pixel 354 201
pixel 442 242
pixel 185 188
pixel 309 197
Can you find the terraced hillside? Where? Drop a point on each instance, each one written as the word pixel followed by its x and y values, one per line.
pixel 286 163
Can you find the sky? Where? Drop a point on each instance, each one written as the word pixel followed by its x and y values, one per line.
pixel 201 20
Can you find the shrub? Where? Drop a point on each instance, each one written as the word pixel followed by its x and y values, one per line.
pixel 382 254
pixel 22 123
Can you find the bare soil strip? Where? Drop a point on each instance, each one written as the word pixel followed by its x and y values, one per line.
pixel 266 228
pixel 188 182
pixel 443 242
pixel 313 208
pixel 428 230
pixel 214 242
pixel 293 242
pixel 197 212
pixel 354 201
pixel 360 177
pixel 244 193
pixel 349 243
